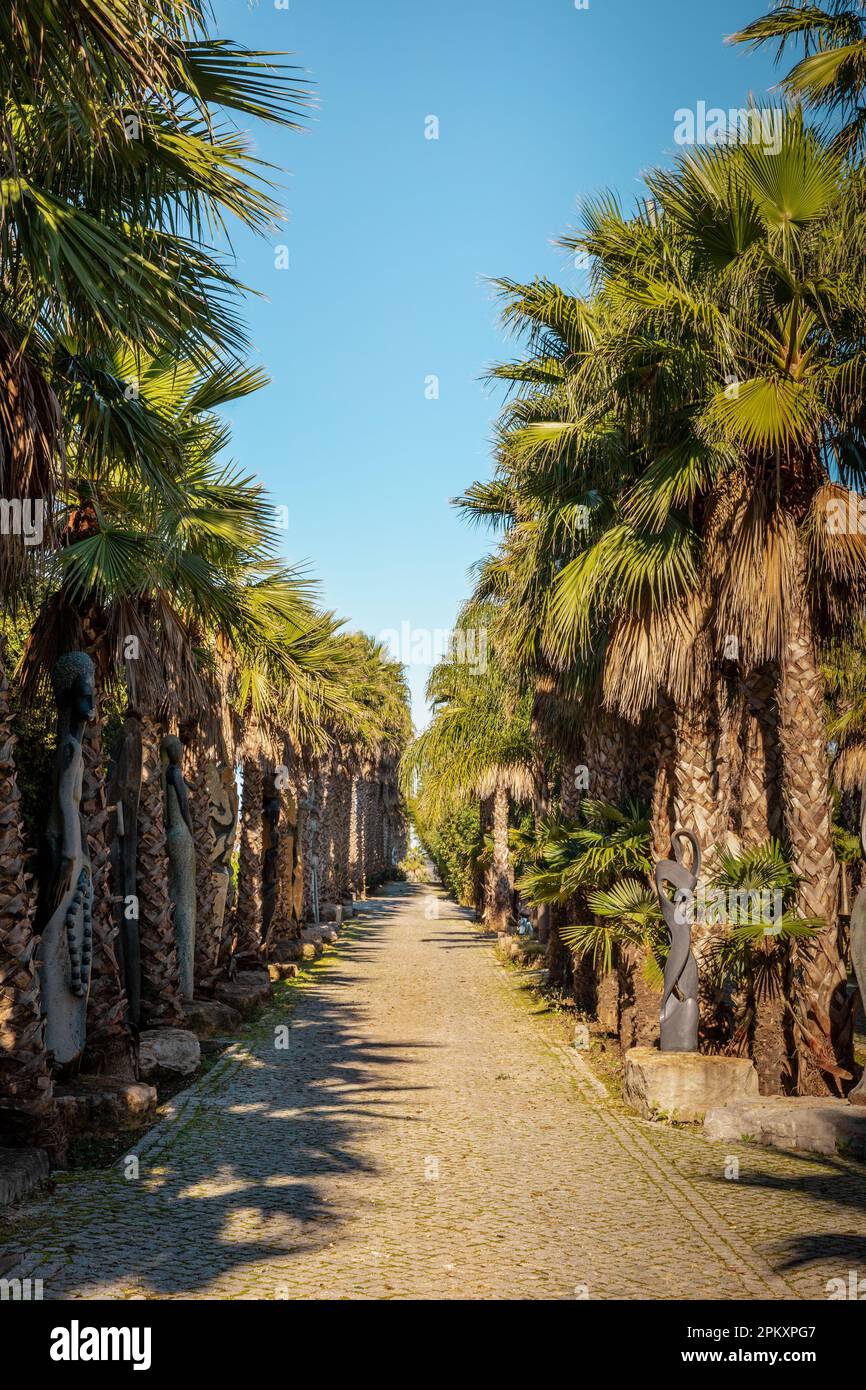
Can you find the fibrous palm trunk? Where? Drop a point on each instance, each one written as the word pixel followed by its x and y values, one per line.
pixel 248 917
pixel 500 885
pixel 27 1110
pixel 825 1045
pixel 110 1048
pixel 757 816
pixel 161 1001
pixel 207 936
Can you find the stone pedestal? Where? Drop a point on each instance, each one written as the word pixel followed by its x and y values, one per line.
pixel 685 1085
pixel 96 1104
pixel 246 992
pixel 169 1053
pixel 813 1123
pixel 280 970
pixel 208 1018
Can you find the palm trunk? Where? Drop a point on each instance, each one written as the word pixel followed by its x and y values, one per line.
pixel 110 1048
pixel 769 1044
pixel 500 885
pixel 248 946
pixel 760 766
pixel 28 1113
pixel 161 1002
pixel 207 936
pixel 758 817
pixel 825 1046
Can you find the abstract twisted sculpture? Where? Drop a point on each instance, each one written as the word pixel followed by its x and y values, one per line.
pixel 181 861
pixel 679 1010
pixel 858 946
pixel 65 910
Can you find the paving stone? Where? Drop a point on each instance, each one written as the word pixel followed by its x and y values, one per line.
pixel 410 1130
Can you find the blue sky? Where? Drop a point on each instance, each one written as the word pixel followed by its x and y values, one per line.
pixel 391 236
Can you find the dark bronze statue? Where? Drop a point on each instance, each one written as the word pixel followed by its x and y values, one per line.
pixel 679 1011
pixel 65 908
pixel 181 861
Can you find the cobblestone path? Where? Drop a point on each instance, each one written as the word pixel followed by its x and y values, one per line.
pixel 424 1136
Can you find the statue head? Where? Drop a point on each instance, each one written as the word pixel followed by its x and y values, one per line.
pixel 172 750
pixel 72 681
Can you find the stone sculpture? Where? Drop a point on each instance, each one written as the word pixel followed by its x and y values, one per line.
pixel 679 1010
pixel 124 795
pixel 181 861
pixel 65 911
pixel 858 946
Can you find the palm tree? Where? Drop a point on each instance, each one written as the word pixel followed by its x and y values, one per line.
pixel 830 77
pixel 727 532
pixel 478 745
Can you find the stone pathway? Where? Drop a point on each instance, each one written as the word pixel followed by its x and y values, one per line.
pixel 424 1136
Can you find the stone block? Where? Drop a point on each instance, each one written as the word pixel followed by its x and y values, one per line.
pixel 282 970
pixel 246 992
pixel 685 1085
pixel 21 1172
pixel 815 1124
pixel 287 949
pixel 98 1104
pixel 168 1052
pixel 209 1018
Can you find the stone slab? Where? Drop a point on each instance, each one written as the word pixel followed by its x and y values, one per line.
pixel 168 1052
pixel 209 1018
pixel 246 992
pixel 21 1172
pixel 685 1085
pixel 96 1103
pixel 283 970
pixel 287 949
pixel 812 1123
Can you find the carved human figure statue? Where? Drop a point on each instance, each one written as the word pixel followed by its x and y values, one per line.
pixel 181 861
pixel 858 946
pixel 679 1011
pixel 65 908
